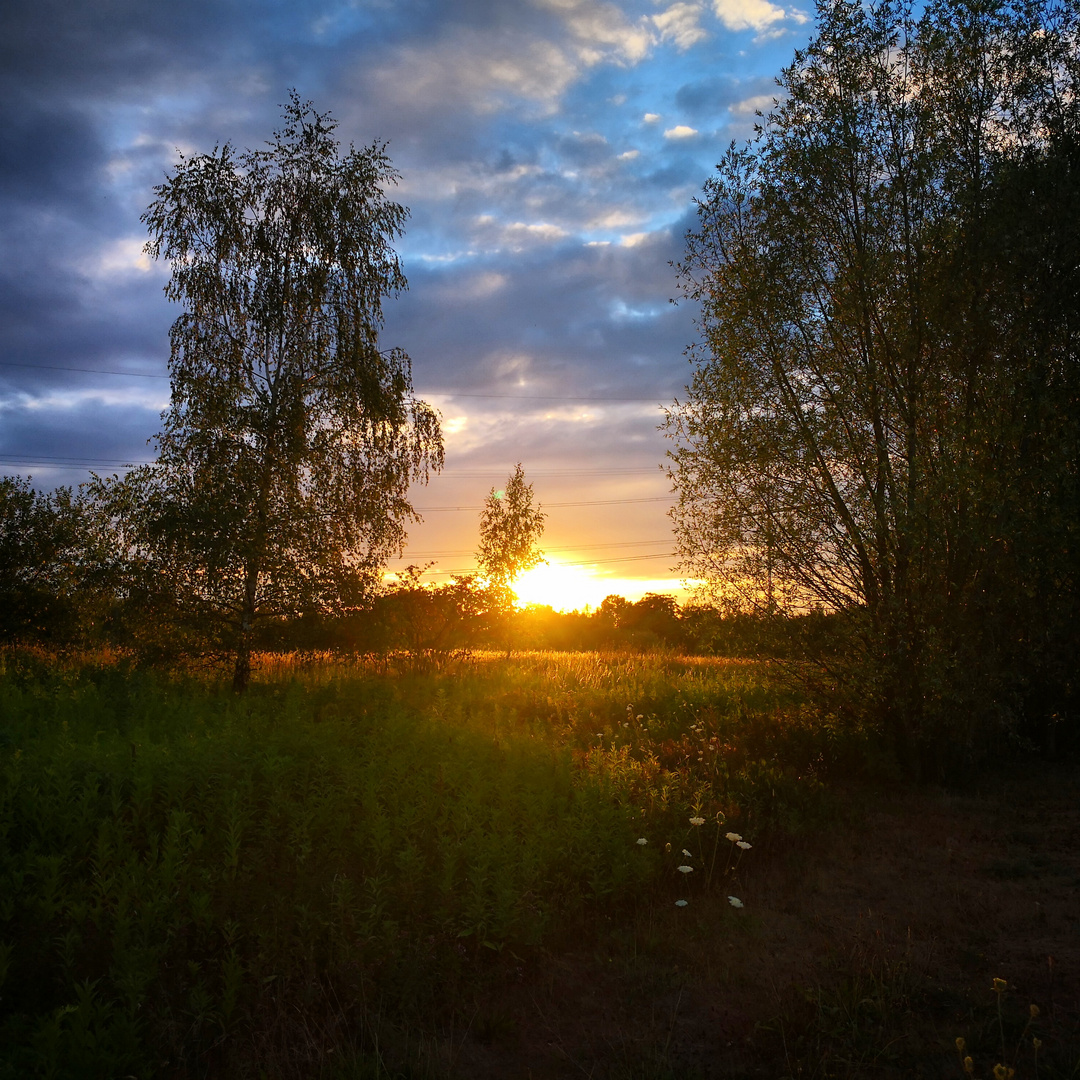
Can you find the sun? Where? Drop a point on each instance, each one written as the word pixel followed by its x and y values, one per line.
pixel 565 588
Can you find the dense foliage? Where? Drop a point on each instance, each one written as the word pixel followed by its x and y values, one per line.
pixel 197 884
pixel 884 420
pixel 291 441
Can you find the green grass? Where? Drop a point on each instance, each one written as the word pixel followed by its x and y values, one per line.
pixel 196 884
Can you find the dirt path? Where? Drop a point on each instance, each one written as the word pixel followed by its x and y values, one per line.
pixel 862 953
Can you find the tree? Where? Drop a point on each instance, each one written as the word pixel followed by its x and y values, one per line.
pixel 857 436
pixel 42 562
pixel 291 439
pixel 510 529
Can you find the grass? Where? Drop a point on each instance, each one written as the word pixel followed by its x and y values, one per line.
pixel 352 873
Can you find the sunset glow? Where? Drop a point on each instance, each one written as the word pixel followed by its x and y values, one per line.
pixel 574 588
pixel 565 588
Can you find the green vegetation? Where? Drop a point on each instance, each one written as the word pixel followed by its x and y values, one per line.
pixel 884 417
pixel 185 871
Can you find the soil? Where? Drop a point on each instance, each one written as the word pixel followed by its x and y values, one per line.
pixel 864 952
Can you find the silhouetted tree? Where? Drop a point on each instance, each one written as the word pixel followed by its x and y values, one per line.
pixel 873 428
pixel 510 528
pixel 291 440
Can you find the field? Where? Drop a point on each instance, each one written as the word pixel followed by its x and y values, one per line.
pixel 515 867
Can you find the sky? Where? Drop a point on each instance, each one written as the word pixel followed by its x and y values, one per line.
pixel 550 152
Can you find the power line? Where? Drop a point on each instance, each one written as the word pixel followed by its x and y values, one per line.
pixel 577 562
pixel 83 370
pixel 434 393
pixel 583 502
pixel 568 547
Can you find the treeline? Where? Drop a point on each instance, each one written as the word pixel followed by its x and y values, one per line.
pixel 65 583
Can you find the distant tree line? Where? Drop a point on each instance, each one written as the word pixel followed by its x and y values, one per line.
pixel 65 584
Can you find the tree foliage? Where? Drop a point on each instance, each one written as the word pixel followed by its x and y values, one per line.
pixel 510 529
pixel 292 438
pixel 883 415
pixel 44 561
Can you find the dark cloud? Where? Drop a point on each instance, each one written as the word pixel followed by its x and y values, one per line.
pixel 545 212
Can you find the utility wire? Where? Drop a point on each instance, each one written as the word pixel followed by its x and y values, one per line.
pixel 577 562
pixel 434 393
pixel 583 502
pixel 568 547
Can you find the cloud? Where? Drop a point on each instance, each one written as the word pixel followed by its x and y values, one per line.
pixel 748 14
pixel 751 106
pixel 680 131
pixel 679 24
pixel 601 31
pixel 651 117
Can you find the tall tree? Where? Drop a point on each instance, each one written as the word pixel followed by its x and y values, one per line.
pixel 510 529
pixel 852 438
pixel 291 440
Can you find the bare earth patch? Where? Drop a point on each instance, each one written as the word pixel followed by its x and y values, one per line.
pixel 865 952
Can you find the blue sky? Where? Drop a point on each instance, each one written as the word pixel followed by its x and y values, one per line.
pixel 550 152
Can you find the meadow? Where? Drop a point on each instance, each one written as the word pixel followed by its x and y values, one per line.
pixel 549 864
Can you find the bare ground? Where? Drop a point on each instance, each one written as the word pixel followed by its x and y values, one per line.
pixel 863 952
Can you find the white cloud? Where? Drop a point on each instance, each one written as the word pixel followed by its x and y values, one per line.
pixel 481 71
pixel 120 258
pixel 651 117
pixel 601 30
pixel 629 155
pixel 634 239
pixel 753 105
pixel 679 24
pixel 680 131
pixel 516 235
pixel 748 14
pixel 616 219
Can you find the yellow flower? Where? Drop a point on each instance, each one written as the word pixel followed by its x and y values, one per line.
pixel 1001 1072
pixel 969 1066
pixel 1034 1010
pixel 1037 1043
pixel 1000 986
pixel 960 1044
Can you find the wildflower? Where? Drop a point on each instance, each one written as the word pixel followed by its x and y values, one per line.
pixel 1037 1043
pixel 1000 986
pixel 685 869
pixel 1002 1072
pixel 743 844
pixel 686 853
pixel 960 1043
pixel 734 837
pixel 667 848
pixel 681 903
pixel 1034 1011
pixel 969 1065
pixel 641 841
pixel 734 901
pixel 697 821
pixel 640 717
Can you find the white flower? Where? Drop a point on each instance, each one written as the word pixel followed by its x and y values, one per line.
pixel 641 841
pixel 697 821
pixel 734 837
pixel 686 853
pixel 684 869
pixel 734 901
pixel 681 903
pixel 743 844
